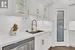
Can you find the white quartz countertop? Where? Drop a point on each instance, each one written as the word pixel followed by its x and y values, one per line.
pixel 7 39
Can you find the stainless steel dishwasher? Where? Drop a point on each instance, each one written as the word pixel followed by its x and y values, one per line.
pixel 27 44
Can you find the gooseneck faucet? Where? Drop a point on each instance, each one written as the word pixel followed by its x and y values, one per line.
pixel 34 25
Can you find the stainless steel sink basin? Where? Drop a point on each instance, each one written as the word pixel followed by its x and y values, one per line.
pixel 34 32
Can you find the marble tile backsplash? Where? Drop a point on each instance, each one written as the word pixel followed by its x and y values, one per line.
pixel 44 25
pixel 24 23
pixel 6 22
pixel 41 24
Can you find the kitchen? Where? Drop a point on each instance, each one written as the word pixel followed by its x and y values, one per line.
pixel 36 24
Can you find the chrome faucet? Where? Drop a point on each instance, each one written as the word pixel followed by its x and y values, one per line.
pixel 34 25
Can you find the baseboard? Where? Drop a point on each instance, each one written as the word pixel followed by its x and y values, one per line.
pixel 60 44
pixel 67 44
pixel 72 44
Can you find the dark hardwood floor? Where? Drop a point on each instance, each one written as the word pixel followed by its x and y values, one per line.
pixel 61 48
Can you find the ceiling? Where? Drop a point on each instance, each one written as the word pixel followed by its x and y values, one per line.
pixel 67 2
pixel 48 3
pixel 43 2
pixel 51 2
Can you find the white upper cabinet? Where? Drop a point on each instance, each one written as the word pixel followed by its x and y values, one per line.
pixel 33 8
pixel 21 6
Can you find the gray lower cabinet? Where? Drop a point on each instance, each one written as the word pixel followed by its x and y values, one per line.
pixel 23 47
pixel 27 44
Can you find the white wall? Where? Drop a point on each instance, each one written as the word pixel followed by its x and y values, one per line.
pixel 72 33
pixel 53 16
pixel 72 37
pixel 72 13
pixel 71 17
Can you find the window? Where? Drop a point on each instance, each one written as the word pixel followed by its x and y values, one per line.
pixel 60 26
pixel 3 3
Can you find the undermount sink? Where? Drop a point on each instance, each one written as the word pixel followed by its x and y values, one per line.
pixel 34 32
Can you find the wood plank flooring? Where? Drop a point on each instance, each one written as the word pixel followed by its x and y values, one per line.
pixel 61 48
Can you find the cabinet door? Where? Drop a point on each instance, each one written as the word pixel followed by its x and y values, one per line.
pixel 30 45
pixel 42 42
pixel 23 47
pixel 21 7
pixel 45 41
pixel 38 43
pixel 27 46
